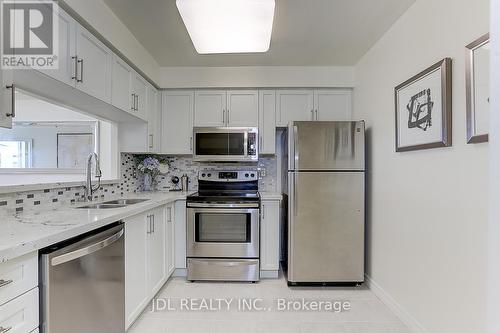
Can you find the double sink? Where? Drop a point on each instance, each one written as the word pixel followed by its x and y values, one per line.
pixel 120 203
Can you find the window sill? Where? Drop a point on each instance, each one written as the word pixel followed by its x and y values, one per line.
pixel 48 186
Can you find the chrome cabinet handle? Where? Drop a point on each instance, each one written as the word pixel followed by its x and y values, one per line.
pixel 80 61
pixel 317 115
pixel 4 283
pixel 263 211
pixel 191 143
pixel 136 102
pixel 5 329
pixel 13 100
pixel 148 217
pixel 151 141
pixel 227 116
pixel 75 77
pixel 312 114
pixel 132 106
pixel 223 116
pixel 153 223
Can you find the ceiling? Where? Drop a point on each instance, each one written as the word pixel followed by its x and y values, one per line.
pixel 305 32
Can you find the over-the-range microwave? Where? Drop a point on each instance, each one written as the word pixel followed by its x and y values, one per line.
pixel 225 144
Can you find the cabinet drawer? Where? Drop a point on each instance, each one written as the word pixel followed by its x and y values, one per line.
pixel 18 276
pixel 21 314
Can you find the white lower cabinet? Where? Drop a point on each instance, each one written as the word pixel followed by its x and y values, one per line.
pixel 17 276
pixel 180 235
pixel 270 238
pixel 149 257
pixel 21 314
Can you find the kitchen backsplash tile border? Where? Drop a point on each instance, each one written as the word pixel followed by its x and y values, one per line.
pixel 131 182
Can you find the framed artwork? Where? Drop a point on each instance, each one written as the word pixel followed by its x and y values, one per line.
pixel 423 109
pixel 73 149
pixel 478 89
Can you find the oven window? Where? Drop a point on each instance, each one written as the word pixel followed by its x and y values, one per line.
pixel 222 228
pixel 236 143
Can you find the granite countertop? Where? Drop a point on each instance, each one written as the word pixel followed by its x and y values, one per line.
pixel 31 231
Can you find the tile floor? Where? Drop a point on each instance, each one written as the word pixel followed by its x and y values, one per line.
pixel 367 314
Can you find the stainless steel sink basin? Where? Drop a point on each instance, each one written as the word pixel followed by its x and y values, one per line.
pixel 125 202
pixel 101 206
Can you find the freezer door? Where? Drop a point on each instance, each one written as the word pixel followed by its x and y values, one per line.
pixel 326 227
pixel 326 145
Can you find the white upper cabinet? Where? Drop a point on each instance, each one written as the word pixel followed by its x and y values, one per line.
pixel 7 101
pixel 94 65
pixel 154 120
pixel 333 104
pixel 294 104
pixel 67 51
pixel 242 108
pixel 177 122
pixel 140 95
pixel 121 92
pixel 267 122
pixel 210 108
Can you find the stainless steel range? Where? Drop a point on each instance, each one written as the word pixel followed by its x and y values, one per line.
pixel 223 227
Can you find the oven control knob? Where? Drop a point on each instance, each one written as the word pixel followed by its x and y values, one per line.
pixel 209 175
pixel 253 175
pixel 246 175
pixel 203 175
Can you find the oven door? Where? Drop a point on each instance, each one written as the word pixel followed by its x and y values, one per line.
pixel 225 144
pixel 223 232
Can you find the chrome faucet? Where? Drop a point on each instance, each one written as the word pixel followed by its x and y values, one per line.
pixel 89 188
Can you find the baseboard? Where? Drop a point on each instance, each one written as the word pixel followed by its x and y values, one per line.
pixel 410 321
pixel 180 272
pixel 269 274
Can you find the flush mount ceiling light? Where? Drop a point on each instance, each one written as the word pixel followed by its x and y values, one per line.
pixel 228 26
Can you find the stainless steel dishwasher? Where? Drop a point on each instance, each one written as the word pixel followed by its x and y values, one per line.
pixel 83 284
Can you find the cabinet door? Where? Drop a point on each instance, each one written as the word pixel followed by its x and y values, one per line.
pixel 333 104
pixel 156 251
pixel 95 65
pixel 267 121
pixel 270 235
pixel 67 50
pixel 7 99
pixel 121 92
pixel 210 108
pixel 136 278
pixel 154 120
pixel 242 108
pixel 180 234
pixel 177 122
pixel 140 89
pixel 294 105
pixel 170 248
pixel 21 314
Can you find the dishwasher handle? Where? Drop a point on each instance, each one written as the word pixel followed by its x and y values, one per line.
pixel 86 250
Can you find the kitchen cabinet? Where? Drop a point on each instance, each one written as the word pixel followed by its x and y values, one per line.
pixel 180 234
pixel 140 93
pixel 21 315
pixel 177 122
pixel 267 122
pixel 210 108
pixel 232 108
pixel 332 104
pixel 136 266
pixel 242 108
pixel 270 238
pixel 94 65
pixel 20 275
pixel 154 120
pixel 313 104
pixel 7 98
pixel 294 104
pixel 121 92
pixel 66 70
pixel 170 239
pixel 156 250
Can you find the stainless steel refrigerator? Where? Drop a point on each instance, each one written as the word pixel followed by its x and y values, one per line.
pixel 326 202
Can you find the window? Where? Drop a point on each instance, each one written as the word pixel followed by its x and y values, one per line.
pixel 16 154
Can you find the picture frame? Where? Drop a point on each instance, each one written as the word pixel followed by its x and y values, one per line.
pixel 423 106
pixel 73 149
pixel 477 89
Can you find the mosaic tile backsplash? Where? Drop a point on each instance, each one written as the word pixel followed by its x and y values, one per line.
pixel 131 182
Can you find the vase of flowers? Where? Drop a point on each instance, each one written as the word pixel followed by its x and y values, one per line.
pixel 150 168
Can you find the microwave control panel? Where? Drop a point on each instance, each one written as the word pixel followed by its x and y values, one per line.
pixel 252 144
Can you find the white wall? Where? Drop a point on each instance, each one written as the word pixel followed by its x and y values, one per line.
pixel 271 76
pixel 494 226
pixel 427 210
pixel 103 20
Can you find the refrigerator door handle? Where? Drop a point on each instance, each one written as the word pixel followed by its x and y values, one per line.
pixel 295 182
pixel 295 147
